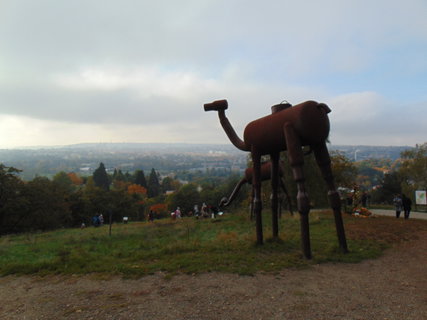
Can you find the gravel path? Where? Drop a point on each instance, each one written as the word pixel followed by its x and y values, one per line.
pixel 391 287
pixel 392 213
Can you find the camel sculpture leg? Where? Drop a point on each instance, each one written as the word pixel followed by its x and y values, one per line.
pixel 275 157
pixel 324 162
pixel 296 160
pixel 256 202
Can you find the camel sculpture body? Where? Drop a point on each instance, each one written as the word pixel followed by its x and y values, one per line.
pixel 247 178
pixel 287 128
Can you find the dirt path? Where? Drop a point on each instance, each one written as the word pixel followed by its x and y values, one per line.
pixel 392 213
pixel 391 287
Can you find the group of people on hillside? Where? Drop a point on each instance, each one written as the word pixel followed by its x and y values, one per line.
pixel 98 220
pixel 205 211
pixel 402 202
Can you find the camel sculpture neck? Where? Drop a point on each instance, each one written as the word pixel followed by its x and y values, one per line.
pixel 232 135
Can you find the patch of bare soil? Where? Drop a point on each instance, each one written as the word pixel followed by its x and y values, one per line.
pixel 391 287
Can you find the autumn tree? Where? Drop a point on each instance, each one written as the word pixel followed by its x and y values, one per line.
pixel 413 169
pixel 75 179
pixel 136 189
pixel 139 195
pixel 344 171
pixel 159 209
pixel 371 172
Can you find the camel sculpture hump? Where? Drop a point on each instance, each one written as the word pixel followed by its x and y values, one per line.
pixel 265 172
pixel 309 119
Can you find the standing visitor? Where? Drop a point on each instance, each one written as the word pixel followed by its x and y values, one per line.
pixel 214 211
pixel 95 220
pixel 364 200
pixel 151 216
pixel 196 211
pixel 397 201
pixel 205 212
pixel 178 213
pixel 406 203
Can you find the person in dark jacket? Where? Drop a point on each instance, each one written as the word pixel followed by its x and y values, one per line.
pixel 406 203
pixel 397 201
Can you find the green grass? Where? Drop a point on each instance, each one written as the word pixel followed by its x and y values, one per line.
pixel 190 246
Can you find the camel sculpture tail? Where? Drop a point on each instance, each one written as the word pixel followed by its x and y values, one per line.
pixel 226 202
pixel 288 198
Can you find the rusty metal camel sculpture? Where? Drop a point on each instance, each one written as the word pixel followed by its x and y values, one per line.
pixel 247 178
pixel 287 128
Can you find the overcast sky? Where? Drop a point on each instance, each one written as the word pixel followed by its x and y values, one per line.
pixel 140 71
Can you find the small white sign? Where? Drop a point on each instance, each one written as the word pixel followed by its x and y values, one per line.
pixel 420 197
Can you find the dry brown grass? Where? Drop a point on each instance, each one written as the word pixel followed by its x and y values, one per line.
pixel 384 229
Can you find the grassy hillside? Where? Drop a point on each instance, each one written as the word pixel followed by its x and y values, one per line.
pixel 226 244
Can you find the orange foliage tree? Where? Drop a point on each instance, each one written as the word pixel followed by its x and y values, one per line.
pixel 159 208
pixel 75 179
pixel 137 189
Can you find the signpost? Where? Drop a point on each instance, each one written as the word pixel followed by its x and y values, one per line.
pixel 420 198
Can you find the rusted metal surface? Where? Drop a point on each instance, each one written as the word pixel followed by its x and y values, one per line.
pixel 287 128
pixel 265 175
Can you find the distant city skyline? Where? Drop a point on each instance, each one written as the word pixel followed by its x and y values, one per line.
pixel 85 158
pixel 95 71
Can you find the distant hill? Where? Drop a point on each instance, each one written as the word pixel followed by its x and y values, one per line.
pixel 85 158
pixel 164 157
pixel 354 153
pixel 357 153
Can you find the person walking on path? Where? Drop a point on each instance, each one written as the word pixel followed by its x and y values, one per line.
pixel 397 201
pixel 406 203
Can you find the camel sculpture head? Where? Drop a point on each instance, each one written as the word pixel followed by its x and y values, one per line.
pixel 216 105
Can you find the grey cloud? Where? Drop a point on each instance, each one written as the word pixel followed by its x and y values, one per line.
pixel 119 106
pixel 398 124
pixel 256 53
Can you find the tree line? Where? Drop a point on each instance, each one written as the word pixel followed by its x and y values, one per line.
pixel 405 176
pixel 68 200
